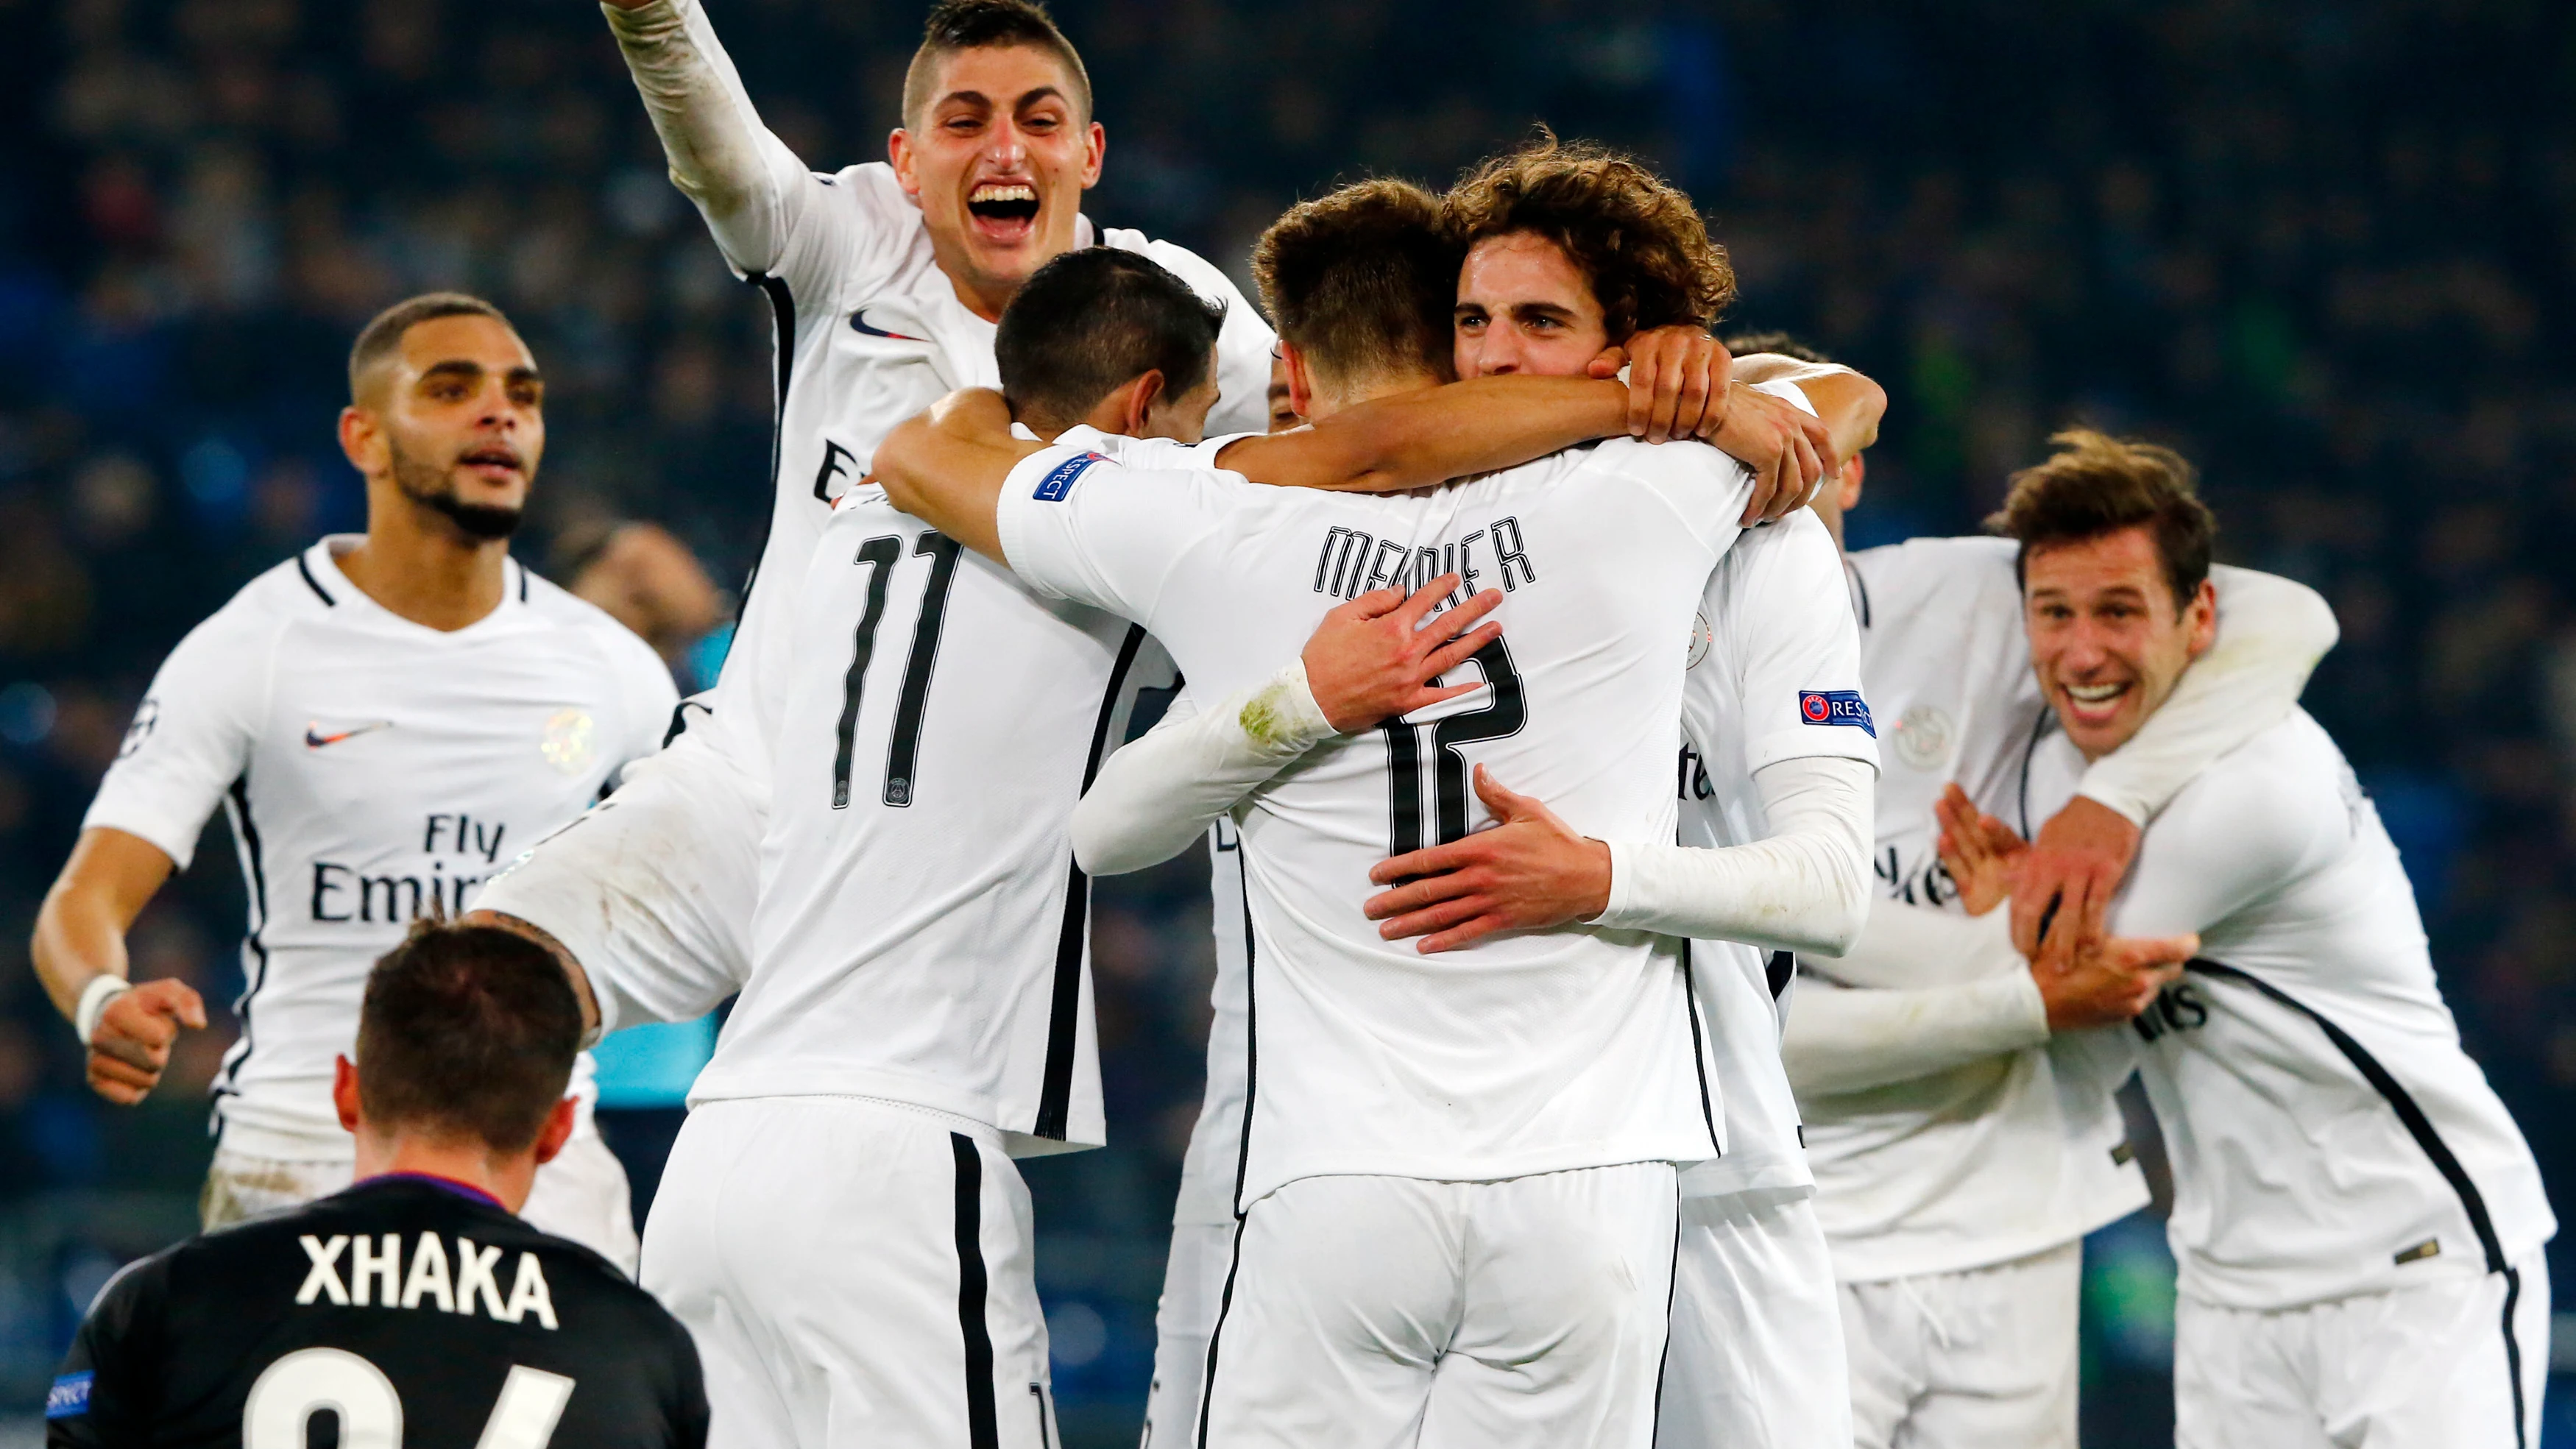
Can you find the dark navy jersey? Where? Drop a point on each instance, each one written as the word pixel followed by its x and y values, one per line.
pixel 402 1312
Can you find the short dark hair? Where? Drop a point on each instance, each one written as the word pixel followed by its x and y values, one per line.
pixel 1092 320
pixel 1362 280
pixel 2094 485
pixel 1636 237
pixel 382 337
pixel 956 25
pixel 1779 344
pixel 467 1031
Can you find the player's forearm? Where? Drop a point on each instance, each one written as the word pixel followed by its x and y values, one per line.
pixel 720 155
pixel 1847 403
pixel 946 466
pixel 2271 634
pixel 77 940
pixel 1159 794
pixel 1905 947
pixel 1420 438
pixel 1803 887
pixel 1839 1040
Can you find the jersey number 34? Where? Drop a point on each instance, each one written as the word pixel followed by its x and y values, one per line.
pixel 289 1392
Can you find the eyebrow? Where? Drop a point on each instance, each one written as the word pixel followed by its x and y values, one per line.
pixel 1027 98
pixel 1542 309
pixel 459 367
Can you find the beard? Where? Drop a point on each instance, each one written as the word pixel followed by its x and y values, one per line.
pixel 432 487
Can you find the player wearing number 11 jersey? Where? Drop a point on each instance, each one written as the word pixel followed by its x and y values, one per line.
pixel 413 1307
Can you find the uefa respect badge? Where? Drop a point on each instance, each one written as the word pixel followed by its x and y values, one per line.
pixel 1835 707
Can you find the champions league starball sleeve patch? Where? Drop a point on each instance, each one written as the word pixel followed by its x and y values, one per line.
pixel 1835 707
pixel 1059 479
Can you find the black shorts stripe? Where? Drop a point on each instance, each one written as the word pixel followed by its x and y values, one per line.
pixel 1672 1291
pixel 1242 1163
pixel 2418 1126
pixel 1064 1014
pixel 983 1424
pixel 315 584
pixel 523 583
pixel 254 856
pixel 1699 1050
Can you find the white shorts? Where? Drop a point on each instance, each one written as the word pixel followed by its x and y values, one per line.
pixel 1376 1312
pixel 1193 1295
pixel 2450 1363
pixel 1756 1360
pixel 856 1273
pixel 581 1195
pixel 651 889
pixel 1967 1360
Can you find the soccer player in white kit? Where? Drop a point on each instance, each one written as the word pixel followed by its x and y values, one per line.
pixel 1440 1166
pixel 387 720
pixel 2357 1220
pixel 887 279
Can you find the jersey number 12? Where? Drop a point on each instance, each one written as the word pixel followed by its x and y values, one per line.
pixel 1502 715
pixel 880 554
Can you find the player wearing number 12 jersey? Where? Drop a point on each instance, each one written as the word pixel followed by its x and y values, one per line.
pixel 1457 1191
pixel 413 1307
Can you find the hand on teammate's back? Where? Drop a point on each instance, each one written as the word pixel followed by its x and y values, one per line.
pixel 130 1047
pixel 1374 658
pixel 1530 872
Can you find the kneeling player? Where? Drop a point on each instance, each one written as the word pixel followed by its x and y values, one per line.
pixel 413 1304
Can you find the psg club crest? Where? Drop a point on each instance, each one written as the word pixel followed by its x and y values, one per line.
pixel 570 741
pixel 1702 636
pixel 1923 738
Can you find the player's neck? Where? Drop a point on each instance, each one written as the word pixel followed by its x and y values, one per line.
pixel 506 1179
pixel 422 567
pixel 1328 399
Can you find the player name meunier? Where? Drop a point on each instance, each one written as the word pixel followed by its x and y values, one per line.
pixel 376 1277
pixel 1352 563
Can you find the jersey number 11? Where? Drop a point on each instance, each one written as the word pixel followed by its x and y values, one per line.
pixel 880 554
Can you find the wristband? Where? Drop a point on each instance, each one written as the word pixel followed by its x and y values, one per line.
pixel 102 989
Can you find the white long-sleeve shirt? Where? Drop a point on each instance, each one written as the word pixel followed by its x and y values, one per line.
pixel 1946 1129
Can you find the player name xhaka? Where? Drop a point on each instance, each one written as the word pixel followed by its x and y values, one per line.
pixel 376 1276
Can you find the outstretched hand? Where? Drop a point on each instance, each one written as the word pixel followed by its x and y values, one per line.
pixel 1785 447
pixel 1980 852
pixel 1374 658
pixel 130 1046
pixel 1529 872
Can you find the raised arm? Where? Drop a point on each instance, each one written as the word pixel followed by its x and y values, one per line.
pixel 744 180
pixel 1392 444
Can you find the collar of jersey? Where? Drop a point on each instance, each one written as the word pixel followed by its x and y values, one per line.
pixel 324 559
pixel 465 1190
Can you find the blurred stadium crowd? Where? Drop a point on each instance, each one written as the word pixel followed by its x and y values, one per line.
pixel 2326 248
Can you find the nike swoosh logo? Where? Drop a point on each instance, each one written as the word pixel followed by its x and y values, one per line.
pixel 859 323
pixel 314 739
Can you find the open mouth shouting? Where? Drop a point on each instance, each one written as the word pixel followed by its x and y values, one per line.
pixel 1003 211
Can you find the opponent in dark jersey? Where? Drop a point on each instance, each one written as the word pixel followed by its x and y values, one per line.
pixel 413 1308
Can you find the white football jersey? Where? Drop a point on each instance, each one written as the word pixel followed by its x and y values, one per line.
pixel 870 332
pixel 1764 685
pixel 1526 1054
pixel 923 933
pixel 375 770
pixel 2328 1134
pixel 2001 1158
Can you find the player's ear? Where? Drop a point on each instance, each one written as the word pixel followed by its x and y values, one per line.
pixel 899 156
pixel 1095 151
pixel 362 440
pixel 558 1129
pixel 2203 618
pixel 1143 395
pixel 1854 472
pixel 344 1092
pixel 1301 383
